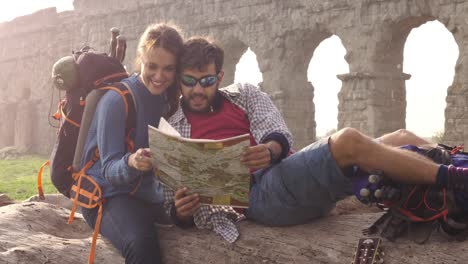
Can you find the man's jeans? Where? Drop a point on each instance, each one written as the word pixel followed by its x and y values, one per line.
pixel 129 224
pixel 302 187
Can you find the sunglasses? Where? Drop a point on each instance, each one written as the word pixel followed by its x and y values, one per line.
pixel 205 81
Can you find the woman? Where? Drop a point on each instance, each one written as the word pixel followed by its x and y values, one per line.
pixel 132 197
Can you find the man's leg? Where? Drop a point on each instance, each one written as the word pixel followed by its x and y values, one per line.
pixel 350 147
pixel 300 188
pixel 129 224
pixel 307 184
pixel 402 137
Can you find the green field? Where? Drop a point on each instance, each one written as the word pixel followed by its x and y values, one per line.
pixel 18 177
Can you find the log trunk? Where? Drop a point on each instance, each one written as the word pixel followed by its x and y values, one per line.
pixel 328 240
pixel 34 232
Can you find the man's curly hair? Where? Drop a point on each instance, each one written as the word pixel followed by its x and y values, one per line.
pixel 200 52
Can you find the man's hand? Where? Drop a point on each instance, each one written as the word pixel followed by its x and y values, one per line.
pixel 258 157
pixel 185 204
pixel 141 160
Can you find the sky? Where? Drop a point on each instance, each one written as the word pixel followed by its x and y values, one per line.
pixel 16 8
pixel 430 55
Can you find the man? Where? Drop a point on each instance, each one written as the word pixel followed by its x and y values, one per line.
pixel 285 190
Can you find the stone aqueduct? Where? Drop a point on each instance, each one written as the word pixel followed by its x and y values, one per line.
pixel 282 33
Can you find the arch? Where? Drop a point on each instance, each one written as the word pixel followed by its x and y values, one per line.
pixel 430 55
pixel 326 63
pixel 233 50
pixel 247 69
pixel 389 49
pixel 384 85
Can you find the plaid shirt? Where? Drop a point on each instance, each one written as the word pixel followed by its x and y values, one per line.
pixel 264 119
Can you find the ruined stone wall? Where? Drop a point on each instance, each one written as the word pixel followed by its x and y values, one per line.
pixel 283 34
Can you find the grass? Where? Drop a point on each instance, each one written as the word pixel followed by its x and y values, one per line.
pixel 18 177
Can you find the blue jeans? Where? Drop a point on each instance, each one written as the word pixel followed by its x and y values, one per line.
pixel 128 223
pixel 304 186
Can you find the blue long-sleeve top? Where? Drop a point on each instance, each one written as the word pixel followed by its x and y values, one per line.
pixel 107 132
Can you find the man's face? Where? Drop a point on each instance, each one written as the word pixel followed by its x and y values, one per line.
pixel 199 87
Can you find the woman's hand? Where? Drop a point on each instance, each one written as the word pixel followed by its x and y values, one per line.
pixel 141 160
pixel 185 204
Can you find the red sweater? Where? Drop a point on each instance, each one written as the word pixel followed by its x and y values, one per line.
pixel 229 121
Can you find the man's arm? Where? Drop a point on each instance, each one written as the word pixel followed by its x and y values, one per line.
pixel 268 128
pixel 266 122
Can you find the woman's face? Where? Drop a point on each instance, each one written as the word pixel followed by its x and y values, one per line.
pixel 158 70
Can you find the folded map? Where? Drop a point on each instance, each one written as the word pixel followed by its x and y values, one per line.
pixel 210 168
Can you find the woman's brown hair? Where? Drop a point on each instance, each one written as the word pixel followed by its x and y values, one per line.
pixel 167 37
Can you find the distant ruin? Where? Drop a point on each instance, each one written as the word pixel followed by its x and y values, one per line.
pixel 283 34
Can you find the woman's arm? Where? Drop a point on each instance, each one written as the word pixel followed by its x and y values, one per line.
pixel 111 122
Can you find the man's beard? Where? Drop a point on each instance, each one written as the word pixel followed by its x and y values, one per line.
pixel 212 103
pixel 186 103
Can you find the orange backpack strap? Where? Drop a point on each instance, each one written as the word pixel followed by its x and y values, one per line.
pixel 39 180
pixel 130 109
pixel 131 118
pixel 118 75
pixel 97 227
pixel 124 90
pixel 130 126
pixel 87 198
pixel 63 115
pixel 94 199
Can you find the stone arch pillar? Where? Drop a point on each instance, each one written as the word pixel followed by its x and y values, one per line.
pixel 373 95
pixel 25 122
pixel 7 126
pixel 284 67
pixel 373 102
pixel 456 112
pixel 233 51
pixel 24 126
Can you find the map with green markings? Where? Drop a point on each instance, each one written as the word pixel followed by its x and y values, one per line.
pixel 211 168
